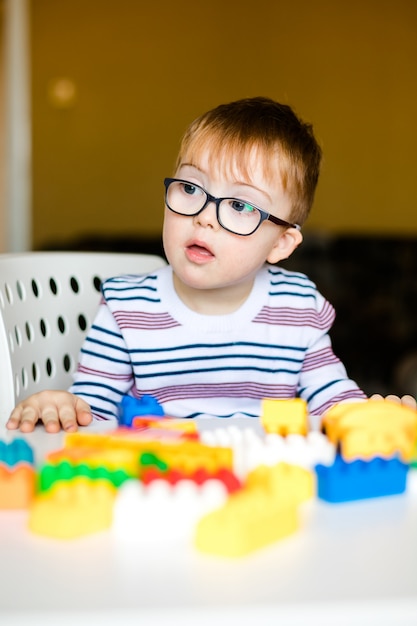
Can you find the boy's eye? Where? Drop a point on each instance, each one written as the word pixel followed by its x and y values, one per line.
pixel 189 189
pixel 240 206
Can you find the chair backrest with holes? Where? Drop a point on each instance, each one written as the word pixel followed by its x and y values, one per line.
pixel 47 303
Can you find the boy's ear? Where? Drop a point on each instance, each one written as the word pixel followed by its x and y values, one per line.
pixel 285 245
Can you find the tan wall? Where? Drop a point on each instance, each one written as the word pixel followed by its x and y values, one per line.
pixel 143 70
pixel 3 224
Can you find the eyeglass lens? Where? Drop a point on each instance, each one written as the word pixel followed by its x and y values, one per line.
pixel 234 215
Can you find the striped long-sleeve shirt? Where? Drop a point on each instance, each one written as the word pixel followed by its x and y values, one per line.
pixel 144 340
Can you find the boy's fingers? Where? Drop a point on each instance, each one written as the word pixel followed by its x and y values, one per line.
pixel 409 401
pixel 52 426
pixel 13 422
pixel 49 416
pixel 406 400
pixel 393 398
pixel 25 419
pixel 376 396
pixel 54 410
pixel 67 418
pixel 84 417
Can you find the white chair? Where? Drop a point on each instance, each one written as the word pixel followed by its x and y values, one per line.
pixel 47 302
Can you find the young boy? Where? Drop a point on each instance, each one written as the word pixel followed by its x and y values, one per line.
pixel 222 326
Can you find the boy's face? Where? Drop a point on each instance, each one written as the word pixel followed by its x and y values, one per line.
pixel 203 255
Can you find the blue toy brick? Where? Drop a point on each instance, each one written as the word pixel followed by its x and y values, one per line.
pixel 137 407
pixel 357 480
pixel 17 451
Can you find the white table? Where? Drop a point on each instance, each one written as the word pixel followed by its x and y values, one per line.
pixel 349 564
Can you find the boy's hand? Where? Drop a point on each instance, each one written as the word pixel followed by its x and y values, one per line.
pixel 405 400
pixel 56 409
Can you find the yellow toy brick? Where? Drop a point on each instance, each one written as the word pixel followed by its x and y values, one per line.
pixel 73 509
pixel 261 513
pixel 283 482
pixel 372 428
pixel 111 459
pixel 284 416
pixel 413 459
pixel 248 521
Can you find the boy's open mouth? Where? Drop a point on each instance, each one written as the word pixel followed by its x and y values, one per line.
pixel 198 252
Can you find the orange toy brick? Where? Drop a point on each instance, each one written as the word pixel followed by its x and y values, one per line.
pixel 17 486
pixel 187 427
pixel 73 508
pixel 284 417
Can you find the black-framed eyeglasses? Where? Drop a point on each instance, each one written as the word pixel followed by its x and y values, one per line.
pixel 236 216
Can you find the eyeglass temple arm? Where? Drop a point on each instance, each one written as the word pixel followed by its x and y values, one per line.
pixel 279 222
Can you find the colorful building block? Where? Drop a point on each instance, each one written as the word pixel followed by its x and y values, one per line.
pixel 153 468
pixel 186 456
pixel 65 471
pixel 344 481
pixel 17 474
pixel 263 512
pixel 166 426
pixel 249 520
pixel 372 428
pixel 160 511
pixel 16 451
pixel 284 416
pixel 413 459
pixel 134 407
pixel 73 509
pixel 251 449
pixel 283 482
pixel 96 457
pixel 17 486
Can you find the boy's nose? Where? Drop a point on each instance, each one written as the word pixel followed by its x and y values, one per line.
pixel 208 216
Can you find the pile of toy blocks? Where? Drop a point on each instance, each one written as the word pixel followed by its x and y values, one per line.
pixel 230 489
